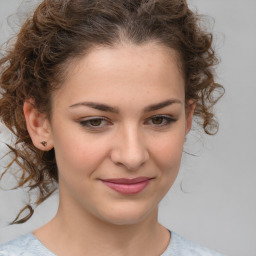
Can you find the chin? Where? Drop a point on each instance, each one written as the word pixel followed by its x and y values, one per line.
pixel 128 215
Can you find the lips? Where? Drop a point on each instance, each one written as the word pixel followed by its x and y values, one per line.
pixel 127 186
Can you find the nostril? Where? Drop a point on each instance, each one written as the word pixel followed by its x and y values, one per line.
pixel 129 149
pixel 131 161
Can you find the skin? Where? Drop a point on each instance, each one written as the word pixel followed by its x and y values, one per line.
pixel 129 139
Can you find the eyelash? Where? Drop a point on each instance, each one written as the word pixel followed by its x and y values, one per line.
pixel 88 123
pixel 166 120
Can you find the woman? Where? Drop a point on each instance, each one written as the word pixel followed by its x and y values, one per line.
pixel 101 95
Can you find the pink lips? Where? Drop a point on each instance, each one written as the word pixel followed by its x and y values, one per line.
pixel 127 186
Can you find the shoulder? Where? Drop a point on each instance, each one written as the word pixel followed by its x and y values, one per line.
pixel 26 245
pixel 180 246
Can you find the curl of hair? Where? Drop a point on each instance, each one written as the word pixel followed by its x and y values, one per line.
pixel 61 30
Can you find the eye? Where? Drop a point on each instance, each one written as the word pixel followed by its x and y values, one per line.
pixel 95 123
pixel 160 120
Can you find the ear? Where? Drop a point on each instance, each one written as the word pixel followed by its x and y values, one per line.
pixel 189 115
pixel 38 126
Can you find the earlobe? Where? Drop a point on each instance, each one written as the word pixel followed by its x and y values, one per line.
pixel 38 126
pixel 189 115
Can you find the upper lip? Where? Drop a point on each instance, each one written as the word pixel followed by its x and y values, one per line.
pixel 127 181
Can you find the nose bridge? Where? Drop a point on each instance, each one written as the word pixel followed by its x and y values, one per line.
pixel 130 149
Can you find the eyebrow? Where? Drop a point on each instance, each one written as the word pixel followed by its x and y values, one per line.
pixel 98 106
pixel 107 108
pixel 161 105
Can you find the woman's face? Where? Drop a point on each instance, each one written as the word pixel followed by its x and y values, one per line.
pixel 118 127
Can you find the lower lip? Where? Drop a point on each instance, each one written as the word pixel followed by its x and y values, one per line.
pixel 127 189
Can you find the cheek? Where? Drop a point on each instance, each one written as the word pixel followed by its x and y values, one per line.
pixel 168 151
pixel 166 154
pixel 77 153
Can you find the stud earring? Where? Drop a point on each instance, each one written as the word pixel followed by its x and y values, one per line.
pixel 44 143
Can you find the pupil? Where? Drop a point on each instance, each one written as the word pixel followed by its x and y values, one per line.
pixel 157 120
pixel 95 122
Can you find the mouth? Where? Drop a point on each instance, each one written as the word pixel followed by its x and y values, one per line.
pixel 127 186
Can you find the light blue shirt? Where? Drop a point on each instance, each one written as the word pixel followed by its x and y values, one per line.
pixel 29 245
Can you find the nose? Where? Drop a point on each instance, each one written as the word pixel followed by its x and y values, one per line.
pixel 129 149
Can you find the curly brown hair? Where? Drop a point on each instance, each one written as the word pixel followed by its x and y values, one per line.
pixel 61 30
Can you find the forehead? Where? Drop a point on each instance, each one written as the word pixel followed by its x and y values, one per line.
pixel 103 56
pixel 124 70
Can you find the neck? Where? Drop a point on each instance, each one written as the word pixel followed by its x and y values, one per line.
pixel 84 234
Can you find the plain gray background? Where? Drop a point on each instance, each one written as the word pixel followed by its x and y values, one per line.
pixel 213 201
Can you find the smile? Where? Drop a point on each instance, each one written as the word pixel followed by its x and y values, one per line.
pixel 127 186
